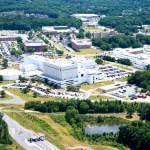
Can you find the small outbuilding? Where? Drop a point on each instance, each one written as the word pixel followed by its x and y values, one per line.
pixel 10 74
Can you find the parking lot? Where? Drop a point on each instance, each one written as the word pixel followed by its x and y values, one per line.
pixel 56 93
pixel 112 72
pixel 125 90
pixel 14 59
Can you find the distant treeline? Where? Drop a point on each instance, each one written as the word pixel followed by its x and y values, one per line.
pixel 122 41
pixel 126 24
pixel 84 106
pixel 18 22
pixel 60 10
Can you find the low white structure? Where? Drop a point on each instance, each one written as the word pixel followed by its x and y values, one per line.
pixel 140 57
pixel 86 17
pixel 55 29
pixel 10 74
pixel 83 62
pixel 90 76
pixel 146 49
pixel 62 72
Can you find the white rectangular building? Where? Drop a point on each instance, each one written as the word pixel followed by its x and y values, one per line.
pixel 140 57
pixel 62 72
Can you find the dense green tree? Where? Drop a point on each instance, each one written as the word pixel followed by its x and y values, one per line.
pixel 72 88
pixel 83 108
pixel 88 35
pixel 31 50
pixel 35 95
pixel 99 61
pixel 25 90
pixel 1 78
pixel 5 63
pixel 4 135
pixel 141 79
pixel 59 52
pixel 3 94
pixel 124 61
pixel 130 111
pixel 135 135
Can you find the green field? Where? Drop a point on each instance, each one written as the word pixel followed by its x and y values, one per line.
pixel 100 97
pixel 96 85
pixel 29 96
pixel 7 97
pixel 87 51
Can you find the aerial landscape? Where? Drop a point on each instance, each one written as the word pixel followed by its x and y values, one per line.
pixel 74 75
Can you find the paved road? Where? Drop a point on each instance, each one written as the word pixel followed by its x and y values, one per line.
pixel 15 100
pixel 20 135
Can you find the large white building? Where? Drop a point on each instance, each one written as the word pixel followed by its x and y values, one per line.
pixel 62 72
pixel 140 57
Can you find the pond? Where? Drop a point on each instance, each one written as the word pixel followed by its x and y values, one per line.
pixel 101 128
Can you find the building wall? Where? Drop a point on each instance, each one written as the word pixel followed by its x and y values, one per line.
pixel 60 73
pixel 8 38
pixel 37 48
pixel 38 63
pixel 77 47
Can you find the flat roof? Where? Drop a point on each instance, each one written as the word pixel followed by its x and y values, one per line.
pixel 34 43
pixel 85 15
pixel 60 62
pixel 82 42
pixel 10 72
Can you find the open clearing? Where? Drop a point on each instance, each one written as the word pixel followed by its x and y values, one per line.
pixel 87 51
pixel 29 96
pixel 123 67
pixel 7 97
pixel 96 85
pixel 135 117
pixel 100 97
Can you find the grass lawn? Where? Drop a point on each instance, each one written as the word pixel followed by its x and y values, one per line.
pixel 87 51
pixel 61 47
pixel 90 29
pixel 7 97
pixel 12 107
pixel 96 85
pixel 100 97
pixel 123 67
pixel 122 80
pixel 14 67
pixel 29 96
pixel 6 82
pixel 135 117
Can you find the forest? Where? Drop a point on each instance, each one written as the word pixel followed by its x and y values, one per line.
pixel 135 135
pixel 59 12
pixel 141 79
pixel 85 106
pixel 122 41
